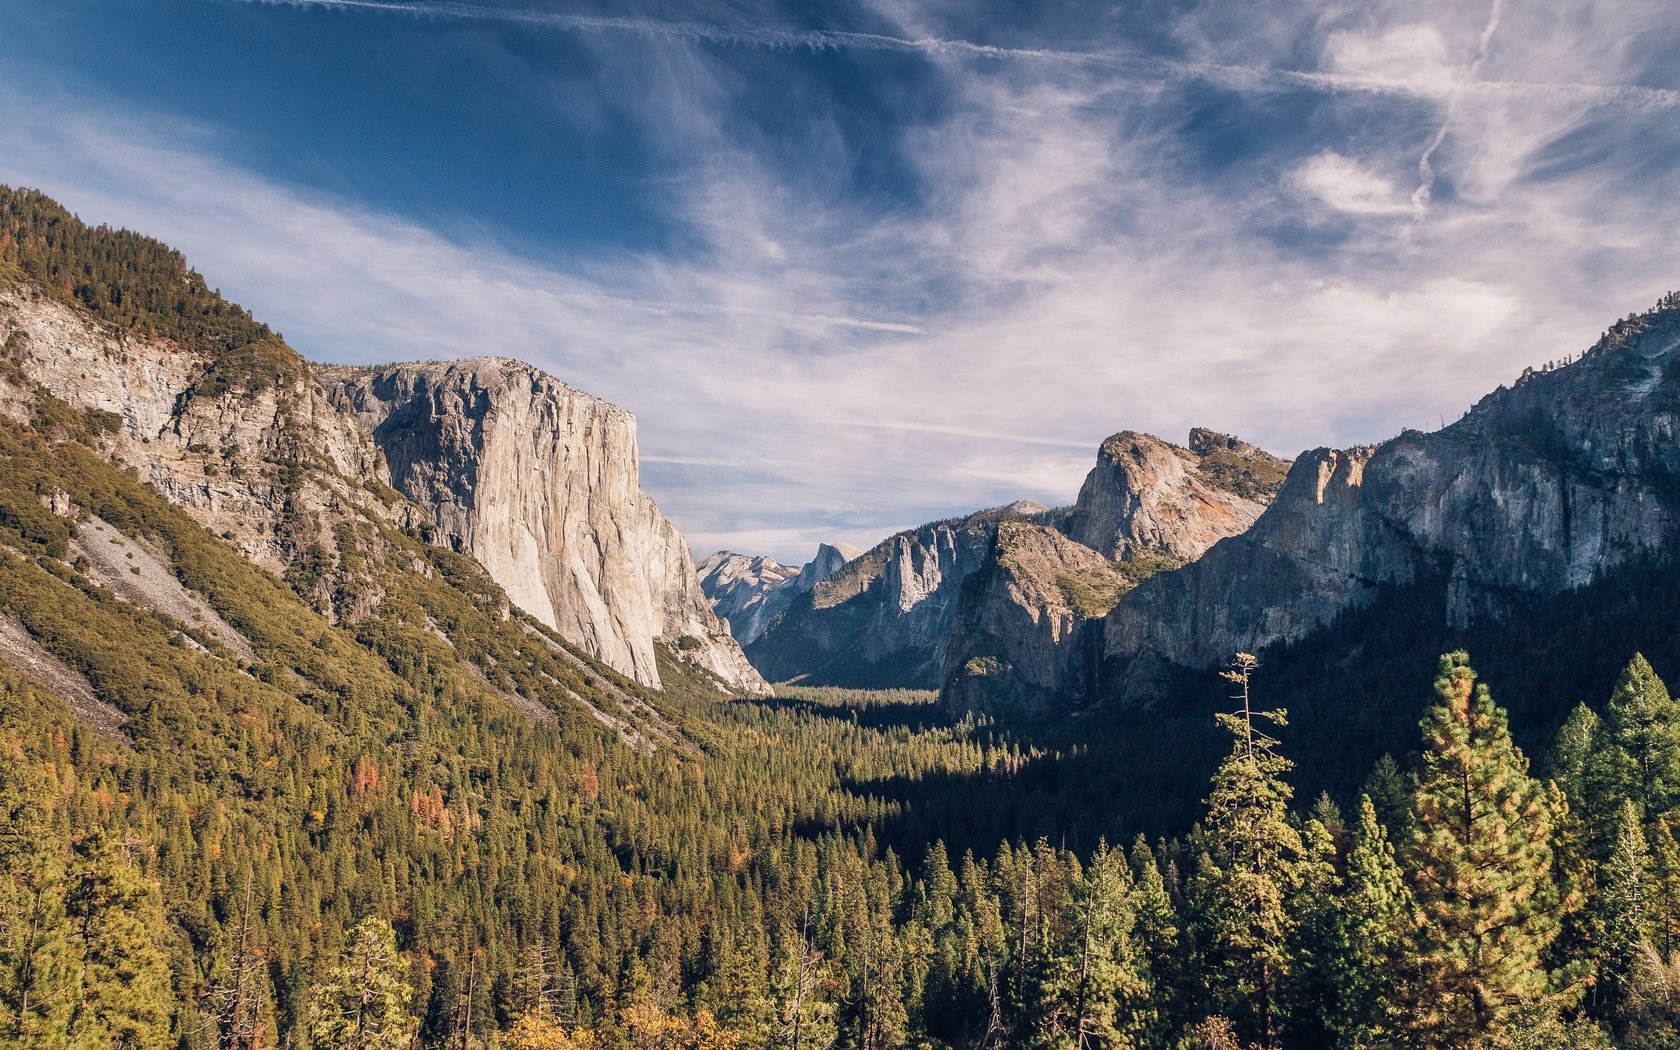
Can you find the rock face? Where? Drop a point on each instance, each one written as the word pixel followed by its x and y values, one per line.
pixel 1027 631
pixel 538 482
pixel 1542 487
pixel 750 592
pixel 535 480
pixel 1146 493
pixel 884 618
pixel 1013 647
pixel 747 592
pixel 232 441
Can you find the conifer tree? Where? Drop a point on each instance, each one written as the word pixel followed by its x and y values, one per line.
pixel 1641 728
pixel 116 918
pixel 1372 941
pixel 1481 867
pixel 364 1002
pixel 1093 986
pixel 1249 868
pixel 1623 907
pixel 36 972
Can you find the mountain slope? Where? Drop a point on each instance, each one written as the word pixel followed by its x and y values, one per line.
pixel 883 619
pixel 1568 476
pixel 226 421
pixel 750 592
pixel 1023 633
pixel 538 483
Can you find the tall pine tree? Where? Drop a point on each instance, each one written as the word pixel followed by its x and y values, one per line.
pixel 1481 868
pixel 1248 869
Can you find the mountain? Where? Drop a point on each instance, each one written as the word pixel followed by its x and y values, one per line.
pixel 883 618
pixel 301 468
pixel 538 483
pixel 750 592
pixel 1563 480
pixel 1022 634
pixel 745 591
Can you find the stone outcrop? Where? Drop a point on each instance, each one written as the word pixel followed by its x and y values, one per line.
pixel 750 592
pixel 883 619
pixel 538 483
pixel 1014 645
pixel 1145 493
pixel 274 455
pixel 1027 631
pixel 1542 487
pixel 745 591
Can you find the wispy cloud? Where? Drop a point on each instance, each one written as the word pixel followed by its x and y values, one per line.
pixel 1082 254
pixel 1234 76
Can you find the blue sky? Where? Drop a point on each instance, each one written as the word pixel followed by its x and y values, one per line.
pixel 859 265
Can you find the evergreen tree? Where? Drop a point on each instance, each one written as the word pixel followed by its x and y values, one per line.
pixel 37 977
pixel 1481 868
pixel 1094 989
pixel 124 998
pixel 1623 907
pixel 1248 870
pixel 364 1002
pixel 1641 731
pixel 1372 940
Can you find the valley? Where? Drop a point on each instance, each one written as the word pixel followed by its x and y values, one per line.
pixel 368 707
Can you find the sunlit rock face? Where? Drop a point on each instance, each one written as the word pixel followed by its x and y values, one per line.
pixel 1542 487
pixel 884 618
pixel 539 483
pixel 1028 627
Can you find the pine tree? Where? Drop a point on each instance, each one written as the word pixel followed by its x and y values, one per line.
pixel 1094 986
pixel 364 1002
pixel 1373 939
pixel 1641 727
pixel 1622 908
pixel 116 918
pixel 36 972
pixel 1248 870
pixel 1481 868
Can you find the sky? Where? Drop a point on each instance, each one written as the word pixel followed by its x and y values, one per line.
pixel 858 265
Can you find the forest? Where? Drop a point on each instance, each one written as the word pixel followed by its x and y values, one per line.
pixel 395 832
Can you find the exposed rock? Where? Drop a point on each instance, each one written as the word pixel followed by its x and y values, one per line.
pixel 1540 488
pixel 750 592
pixel 1012 644
pixel 252 449
pixel 1148 493
pixel 747 592
pixel 19 649
pixel 1023 640
pixel 264 453
pixel 885 617
pixel 830 559
pixel 134 572
pixel 538 482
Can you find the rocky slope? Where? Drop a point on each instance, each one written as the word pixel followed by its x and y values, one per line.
pixel 884 618
pixel 750 592
pixel 269 453
pixel 538 483
pixel 1543 487
pixel 1023 634
pixel 1149 494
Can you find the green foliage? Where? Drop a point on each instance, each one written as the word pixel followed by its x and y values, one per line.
pixel 1482 867
pixel 363 1004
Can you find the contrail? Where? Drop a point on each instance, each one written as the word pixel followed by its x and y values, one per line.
pixel 1426 169
pixel 1236 77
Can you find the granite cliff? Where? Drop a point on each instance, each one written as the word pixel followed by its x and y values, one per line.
pixel 301 467
pixel 538 483
pixel 1542 488
pixel 749 592
pixel 1024 633
pixel 883 619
